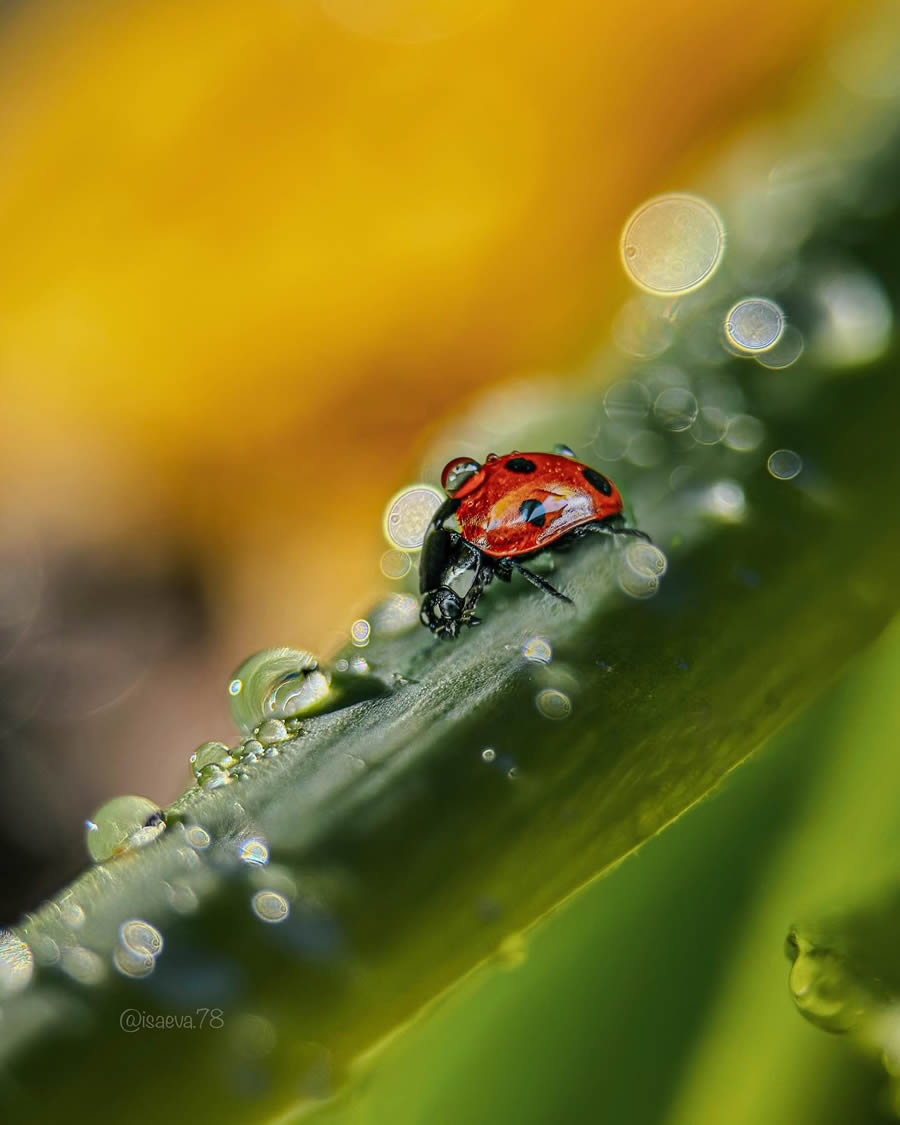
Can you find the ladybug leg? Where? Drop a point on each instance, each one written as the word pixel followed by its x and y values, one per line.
pixel 536 580
pixel 612 527
pixel 482 578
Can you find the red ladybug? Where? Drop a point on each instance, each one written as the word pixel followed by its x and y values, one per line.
pixel 508 509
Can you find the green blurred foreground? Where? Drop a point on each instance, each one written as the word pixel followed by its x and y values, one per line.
pixel 660 995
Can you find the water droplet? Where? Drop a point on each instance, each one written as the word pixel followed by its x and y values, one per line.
pixel 672 244
pixel 132 964
pixel 784 464
pixel 249 750
pixel 408 515
pixel 725 500
pixel 786 351
pixel 538 650
pixel 488 754
pixel 857 320
pixel 210 753
pixel 16 963
pixel 641 566
pixel 754 324
pixel 744 433
pixel 710 426
pixel 676 408
pixel 278 683
pixel 181 897
pixel 553 704
pixel 269 733
pixel 563 450
pixel 641 329
pixel 822 988
pixel 626 401
pixel 122 824
pixel 255 852
pixel 395 564
pixel 82 965
pixel 141 937
pixel 396 614
pixel 360 632
pixel 198 837
pixel 513 772
pixel 212 776
pixel 269 906
pixel 71 914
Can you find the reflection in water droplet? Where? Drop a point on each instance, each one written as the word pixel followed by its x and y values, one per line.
pixel 360 632
pixel 488 754
pixel 16 963
pixel 784 464
pixel 122 824
pixel 552 704
pixel 395 564
pixel 754 325
pixel 626 401
pixel 563 450
pixel 538 650
pixel 744 433
pixel 213 777
pixel 210 753
pixel 672 244
pixel 255 852
pixel 786 351
pixel 408 515
pixel 676 408
pixel 269 906
pixel 278 683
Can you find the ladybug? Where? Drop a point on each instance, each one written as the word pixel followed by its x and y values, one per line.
pixel 509 509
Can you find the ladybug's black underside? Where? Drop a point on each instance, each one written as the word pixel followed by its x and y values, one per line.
pixel 447 556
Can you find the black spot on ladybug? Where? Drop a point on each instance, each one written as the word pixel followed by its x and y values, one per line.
pixel 598 480
pixel 520 465
pixel 533 512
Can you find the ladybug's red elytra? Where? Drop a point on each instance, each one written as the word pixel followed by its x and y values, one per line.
pixel 508 509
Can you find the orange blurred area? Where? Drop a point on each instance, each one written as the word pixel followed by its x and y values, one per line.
pixel 253 253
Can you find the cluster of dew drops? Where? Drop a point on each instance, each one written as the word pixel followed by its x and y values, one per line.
pixel 671 246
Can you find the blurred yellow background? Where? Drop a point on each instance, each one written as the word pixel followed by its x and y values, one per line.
pixel 252 253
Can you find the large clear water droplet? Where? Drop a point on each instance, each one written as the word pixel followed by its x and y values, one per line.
pixel 276 683
pixel 122 824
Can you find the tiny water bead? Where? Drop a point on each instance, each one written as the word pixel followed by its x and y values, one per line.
pixel 213 776
pixel 255 852
pixel 754 324
pixel 198 837
pixel 745 433
pixel 784 464
pixel 16 963
pixel 360 632
pixel 563 450
pixel 552 704
pixel 395 564
pixel 626 401
pixel 122 824
pixel 785 352
pixel 140 943
pixel 82 964
pixel 408 515
pixel 269 906
pixel 210 753
pixel 672 244
pixel 676 409
pixel 640 568
pixel 269 733
pixel 538 650
pixel 276 683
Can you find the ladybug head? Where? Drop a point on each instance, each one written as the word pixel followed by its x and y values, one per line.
pixel 461 476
